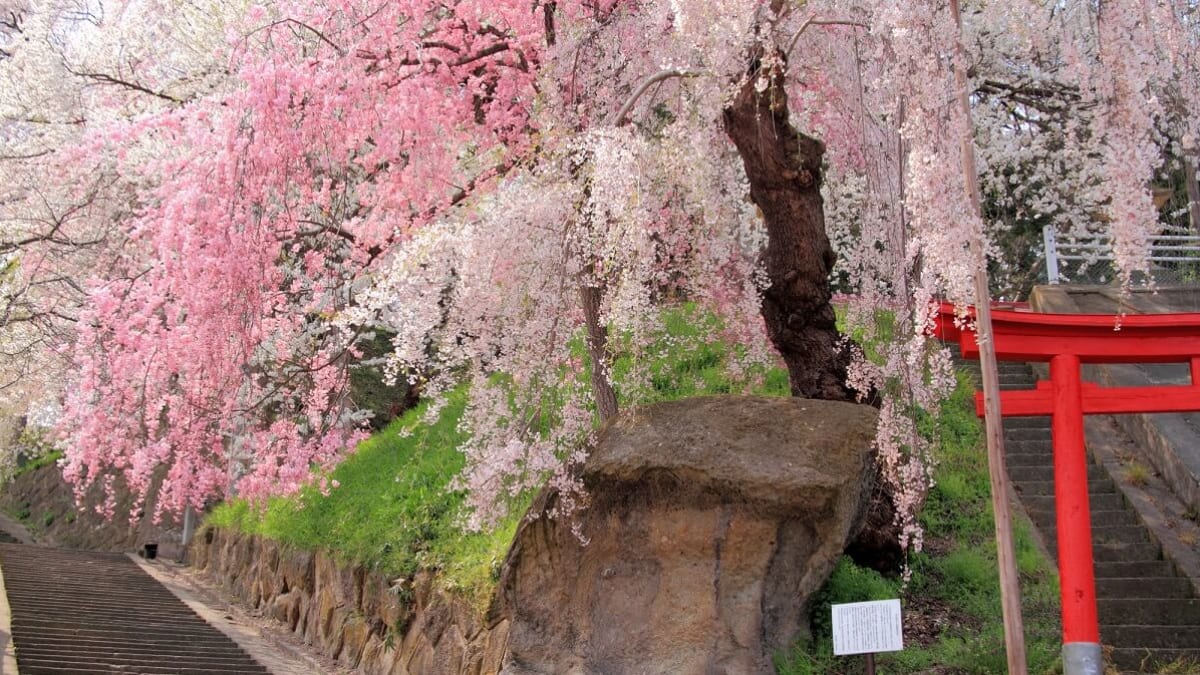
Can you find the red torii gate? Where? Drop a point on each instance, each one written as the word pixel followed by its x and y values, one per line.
pixel 1066 341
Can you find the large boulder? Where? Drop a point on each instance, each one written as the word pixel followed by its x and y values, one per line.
pixel 712 521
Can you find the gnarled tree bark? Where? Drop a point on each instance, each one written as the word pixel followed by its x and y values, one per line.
pixel 784 168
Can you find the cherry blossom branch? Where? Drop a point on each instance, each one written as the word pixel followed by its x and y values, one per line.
pixel 813 21
pixel 10 24
pixel 12 21
pixel 341 51
pixel 31 155
pixel 650 82
pixel 322 227
pixel 105 78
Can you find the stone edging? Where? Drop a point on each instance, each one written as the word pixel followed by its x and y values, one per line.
pixel 350 614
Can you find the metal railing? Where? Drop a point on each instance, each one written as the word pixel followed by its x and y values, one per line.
pixel 1174 258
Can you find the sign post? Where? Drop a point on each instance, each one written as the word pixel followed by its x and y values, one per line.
pixel 867 628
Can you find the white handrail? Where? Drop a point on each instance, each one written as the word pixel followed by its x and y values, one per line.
pixel 1058 250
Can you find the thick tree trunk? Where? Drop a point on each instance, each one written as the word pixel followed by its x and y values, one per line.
pixel 597 344
pixel 784 168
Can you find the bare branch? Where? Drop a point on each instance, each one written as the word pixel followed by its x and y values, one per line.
pixel 32 155
pixel 322 227
pixel 813 21
pixel 295 22
pixel 105 78
pixel 654 79
pixel 482 54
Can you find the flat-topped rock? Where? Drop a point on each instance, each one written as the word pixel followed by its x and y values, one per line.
pixel 785 453
pixel 711 523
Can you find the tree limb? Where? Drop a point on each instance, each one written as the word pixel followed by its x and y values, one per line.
pixel 645 86
pixel 814 21
pixel 105 78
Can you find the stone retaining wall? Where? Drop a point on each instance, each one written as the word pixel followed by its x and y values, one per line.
pixel 353 615
pixel 711 523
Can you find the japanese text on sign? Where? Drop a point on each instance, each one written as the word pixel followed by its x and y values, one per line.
pixel 867 627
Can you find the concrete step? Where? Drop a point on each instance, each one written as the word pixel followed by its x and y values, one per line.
pixel 61 626
pixel 1037 474
pixel 82 634
pixel 1027 423
pixel 39 594
pixel 85 668
pixel 1027 435
pixel 84 612
pixel 1105 501
pixel 1042 447
pixel 1121 534
pixel 1140 660
pixel 1046 519
pixel 1139 612
pixel 53 646
pixel 1106 518
pixel 1125 552
pixel 1151 636
pixel 1015 459
pixel 1106 553
pixel 1145 568
pixel 139 659
pixel 1096 486
pixel 1146 588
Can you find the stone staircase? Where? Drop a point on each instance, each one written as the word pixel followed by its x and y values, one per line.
pixel 1149 617
pixel 83 612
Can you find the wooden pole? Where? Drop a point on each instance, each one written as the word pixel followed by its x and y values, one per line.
pixel 1010 590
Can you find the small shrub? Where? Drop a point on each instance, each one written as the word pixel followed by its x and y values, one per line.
pixel 1137 473
pixel 22 512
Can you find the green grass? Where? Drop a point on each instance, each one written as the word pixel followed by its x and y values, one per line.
pixel 954 580
pixel 43 459
pixel 394 512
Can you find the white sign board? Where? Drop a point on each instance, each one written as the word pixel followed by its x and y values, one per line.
pixel 867 628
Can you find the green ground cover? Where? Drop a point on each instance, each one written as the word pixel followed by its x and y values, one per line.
pixel 394 511
pixel 42 459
